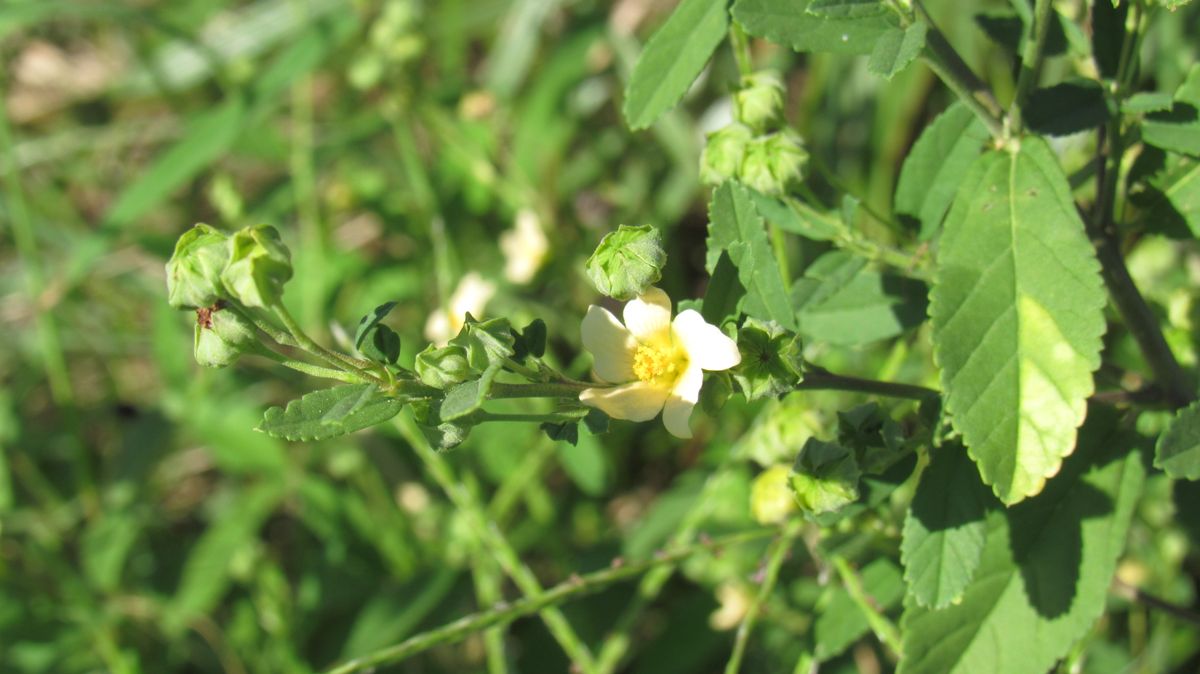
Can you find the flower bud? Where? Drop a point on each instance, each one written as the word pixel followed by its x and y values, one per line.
pixel 759 103
pixel 774 163
pixel 194 270
pixel 222 336
pixel 824 477
pixel 770 498
pixel 723 153
pixel 442 367
pixel 259 265
pixel 627 262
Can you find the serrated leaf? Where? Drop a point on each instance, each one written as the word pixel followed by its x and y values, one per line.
pixel 935 167
pixel 329 413
pixel 1178 129
pixel 841 301
pixel 896 49
pixel 1066 108
pixel 1178 448
pixel 1144 102
pixel 945 529
pixel 673 58
pixel 1017 312
pixel 841 622
pixel 848 9
pixel 724 293
pixel 1044 576
pixel 789 22
pixel 736 228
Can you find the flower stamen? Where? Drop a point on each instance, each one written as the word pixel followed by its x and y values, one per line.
pixel 650 363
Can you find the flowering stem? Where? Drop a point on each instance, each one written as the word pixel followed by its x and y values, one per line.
pixel 740 43
pixel 305 342
pixel 503 614
pixel 307 368
pixel 819 379
pixel 561 389
pixel 883 628
pixel 774 563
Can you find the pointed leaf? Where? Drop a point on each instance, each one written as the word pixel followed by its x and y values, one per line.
pixel 1017 311
pixel 1047 566
pixel 896 49
pixel 935 167
pixel 945 529
pixel 736 228
pixel 1178 448
pixel 790 23
pixel 841 301
pixel 329 413
pixel 673 58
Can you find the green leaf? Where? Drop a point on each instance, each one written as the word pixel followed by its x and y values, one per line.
pixel 724 293
pixel 1017 310
pixel 486 343
pixel 1108 34
pixel 840 301
pixel 1144 102
pixel 797 217
pixel 896 49
pixel 673 58
pixel 1178 130
pixel 945 529
pixel 736 228
pixel 841 622
pixel 1179 192
pixel 935 167
pixel 849 9
pixel 377 342
pixel 1066 108
pixel 1178 448
pixel 789 22
pixel 1045 572
pixel 329 413
pixel 824 477
pixel 467 397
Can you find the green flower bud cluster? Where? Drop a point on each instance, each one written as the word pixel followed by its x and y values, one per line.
pixel 627 262
pixel 250 267
pixel 211 269
pixel 757 149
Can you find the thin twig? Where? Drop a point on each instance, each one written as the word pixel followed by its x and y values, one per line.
pixel 774 562
pixel 1133 593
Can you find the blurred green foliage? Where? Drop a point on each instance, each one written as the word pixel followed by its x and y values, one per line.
pixel 146 527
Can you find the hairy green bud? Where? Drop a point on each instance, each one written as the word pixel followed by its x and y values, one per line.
pixel 627 261
pixel 723 154
pixel 442 367
pixel 259 265
pixel 194 270
pixel 222 336
pixel 774 163
pixel 759 103
pixel 824 478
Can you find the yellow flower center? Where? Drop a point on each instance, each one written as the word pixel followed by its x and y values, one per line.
pixel 650 363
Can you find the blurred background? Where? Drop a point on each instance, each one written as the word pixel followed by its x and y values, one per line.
pixel 451 154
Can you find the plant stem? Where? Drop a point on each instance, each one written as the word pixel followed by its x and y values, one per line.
pixel 774 562
pixel 819 379
pixel 956 74
pixel 506 613
pixel 307 368
pixel 540 390
pixel 305 342
pixel 1031 63
pixel 740 43
pixel 280 336
pixel 1132 593
pixel 490 535
pixel 550 418
pixel 883 628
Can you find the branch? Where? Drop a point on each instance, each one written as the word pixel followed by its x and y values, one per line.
pixel 774 563
pixel 1031 63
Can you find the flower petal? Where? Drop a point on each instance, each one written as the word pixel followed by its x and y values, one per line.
pixel 678 409
pixel 704 343
pixel 639 401
pixel 611 345
pixel 648 317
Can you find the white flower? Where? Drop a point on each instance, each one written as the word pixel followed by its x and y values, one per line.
pixel 470 297
pixel 525 247
pixel 662 360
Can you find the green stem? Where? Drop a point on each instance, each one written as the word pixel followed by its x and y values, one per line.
pixel 550 418
pixel 819 379
pixel 956 74
pixel 1031 63
pixel 506 613
pixel 883 628
pixel 774 563
pixel 335 359
pixel 490 535
pixel 307 368
pixel 280 336
pixel 540 390
pixel 740 43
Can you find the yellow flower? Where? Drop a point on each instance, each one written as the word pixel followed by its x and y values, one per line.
pixel 659 363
